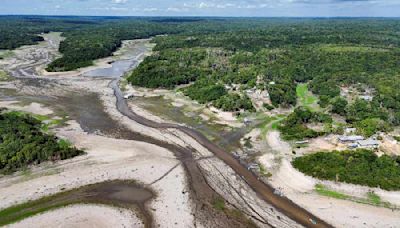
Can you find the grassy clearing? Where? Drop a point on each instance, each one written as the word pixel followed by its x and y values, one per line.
pixel 370 199
pixel 268 122
pixel 306 98
pixel 31 208
pixel 322 190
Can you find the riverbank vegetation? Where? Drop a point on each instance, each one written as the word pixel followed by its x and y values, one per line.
pixel 23 143
pixel 361 167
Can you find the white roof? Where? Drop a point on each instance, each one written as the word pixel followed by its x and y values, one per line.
pixel 368 142
pixel 351 138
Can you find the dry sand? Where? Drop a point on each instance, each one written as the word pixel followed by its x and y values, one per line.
pixel 82 215
pixel 34 108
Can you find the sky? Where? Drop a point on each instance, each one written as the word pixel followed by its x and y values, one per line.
pixel 230 8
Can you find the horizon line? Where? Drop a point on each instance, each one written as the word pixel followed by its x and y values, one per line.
pixel 192 16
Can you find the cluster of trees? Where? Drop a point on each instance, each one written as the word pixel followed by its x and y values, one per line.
pixel 361 167
pixel 22 143
pixel 170 68
pixel 294 126
pixel 234 102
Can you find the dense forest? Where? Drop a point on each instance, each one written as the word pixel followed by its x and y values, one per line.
pixel 361 167
pixel 219 59
pixel 276 55
pixel 22 143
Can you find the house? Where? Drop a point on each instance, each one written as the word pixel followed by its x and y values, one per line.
pixel 350 138
pixel 350 130
pixel 366 98
pixel 368 143
pixel 302 142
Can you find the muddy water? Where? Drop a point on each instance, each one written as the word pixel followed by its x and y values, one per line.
pixel 120 193
pixel 117 69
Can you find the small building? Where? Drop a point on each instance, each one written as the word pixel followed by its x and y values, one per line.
pixel 302 142
pixel 368 143
pixel 350 130
pixel 250 91
pixel 366 97
pixel 350 138
pixel 272 83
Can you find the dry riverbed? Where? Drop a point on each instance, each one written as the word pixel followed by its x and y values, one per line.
pixel 188 191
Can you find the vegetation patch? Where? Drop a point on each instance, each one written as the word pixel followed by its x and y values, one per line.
pixel 361 167
pixel 306 98
pixel 322 190
pixel 371 198
pixel 4 76
pixel 23 143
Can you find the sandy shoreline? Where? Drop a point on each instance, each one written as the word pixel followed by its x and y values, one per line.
pixel 82 215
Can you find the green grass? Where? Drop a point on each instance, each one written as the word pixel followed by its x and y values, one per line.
pixel 4 76
pixel 370 199
pixel 43 118
pixel 64 143
pixel 322 190
pixel 31 208
pixel 305 97
pixel 374 198
pixel 219 204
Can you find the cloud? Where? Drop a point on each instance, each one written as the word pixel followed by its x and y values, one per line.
pixel 261 8
pixel 119 1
